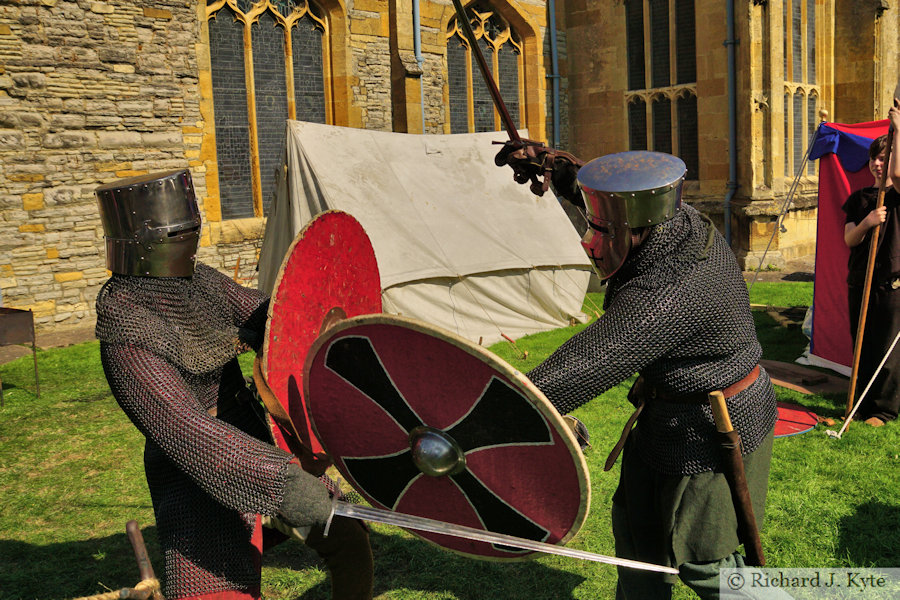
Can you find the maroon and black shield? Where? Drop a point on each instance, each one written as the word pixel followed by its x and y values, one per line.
pixel 423 422
pixel 329 273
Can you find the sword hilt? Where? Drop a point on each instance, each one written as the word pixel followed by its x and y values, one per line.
pixel 720 412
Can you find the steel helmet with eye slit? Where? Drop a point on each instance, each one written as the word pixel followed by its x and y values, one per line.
pixel 624 192
pixel 151 224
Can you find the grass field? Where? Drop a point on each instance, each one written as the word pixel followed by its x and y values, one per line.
pixel 71 475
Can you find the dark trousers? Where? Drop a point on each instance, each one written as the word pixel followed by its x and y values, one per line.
pixel 882 325
pixel 348 556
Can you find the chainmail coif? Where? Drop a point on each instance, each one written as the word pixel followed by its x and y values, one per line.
pixel 677 312
pixel 192 322
pixel 168 347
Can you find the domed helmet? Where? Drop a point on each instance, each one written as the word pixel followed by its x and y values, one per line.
pixel 623 192
pixel 151 224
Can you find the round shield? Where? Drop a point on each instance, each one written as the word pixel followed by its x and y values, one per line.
pixel 329 273
pixel 423 422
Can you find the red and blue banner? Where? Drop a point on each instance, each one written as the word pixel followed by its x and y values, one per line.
pixel 843 154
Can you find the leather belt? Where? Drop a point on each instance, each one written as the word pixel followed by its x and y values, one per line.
pixel 642 393
pixel 703 397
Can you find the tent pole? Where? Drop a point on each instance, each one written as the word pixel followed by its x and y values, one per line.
pixel 866 391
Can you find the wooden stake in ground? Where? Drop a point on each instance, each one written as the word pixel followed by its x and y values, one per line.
pixel 870 269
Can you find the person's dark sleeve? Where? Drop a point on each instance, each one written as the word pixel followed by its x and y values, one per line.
pixel 853 208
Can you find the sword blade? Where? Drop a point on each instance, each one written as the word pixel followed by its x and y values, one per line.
pixel 377 515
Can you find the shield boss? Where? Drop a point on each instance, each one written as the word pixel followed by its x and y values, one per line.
pixel 423 422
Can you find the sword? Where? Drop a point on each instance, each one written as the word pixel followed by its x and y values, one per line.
pixel 486 73
pixel 377 515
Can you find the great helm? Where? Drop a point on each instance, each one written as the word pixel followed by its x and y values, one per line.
pixel 623 192
pixel 151 224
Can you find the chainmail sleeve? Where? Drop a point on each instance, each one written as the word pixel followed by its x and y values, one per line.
pixel 249 305
pixel 622 342
pixel 238 470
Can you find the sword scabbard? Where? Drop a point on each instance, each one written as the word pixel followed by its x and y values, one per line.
pixel 733 468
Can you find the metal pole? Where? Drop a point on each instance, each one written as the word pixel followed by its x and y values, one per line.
pixel 732 184
pixel 554 70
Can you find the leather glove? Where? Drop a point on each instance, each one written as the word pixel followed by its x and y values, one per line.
pixel 543 166
pixel 306 500
pixel 564 180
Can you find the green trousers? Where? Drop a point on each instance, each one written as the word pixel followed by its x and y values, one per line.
pixel 683 521
pixel 703 578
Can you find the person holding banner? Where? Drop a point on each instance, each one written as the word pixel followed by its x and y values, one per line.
pixel 882 400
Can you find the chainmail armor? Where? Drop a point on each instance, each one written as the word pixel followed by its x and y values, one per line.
pixel 192 322
pixel 169 347
pixel 677 312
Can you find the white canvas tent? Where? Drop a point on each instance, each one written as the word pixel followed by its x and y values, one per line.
pixel 459 244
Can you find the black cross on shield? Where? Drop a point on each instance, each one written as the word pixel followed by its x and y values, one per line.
pixel 416 424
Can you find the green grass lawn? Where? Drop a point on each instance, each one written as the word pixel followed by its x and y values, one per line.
pixel 72 475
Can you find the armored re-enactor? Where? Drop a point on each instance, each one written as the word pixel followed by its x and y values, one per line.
pixel 170 332
pixel 676 312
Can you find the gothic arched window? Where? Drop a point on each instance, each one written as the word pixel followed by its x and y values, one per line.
pixel 267 64
pixel 661 101
pixel 801 86
pixel 470 106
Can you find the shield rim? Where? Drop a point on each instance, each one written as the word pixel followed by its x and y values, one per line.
pixel 301 235
pixel 524 384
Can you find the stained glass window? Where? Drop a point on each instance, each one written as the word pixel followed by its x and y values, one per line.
pixel 662 116
pixel 470 105
pixel 801 91
pixel 232 125
pixel 286 46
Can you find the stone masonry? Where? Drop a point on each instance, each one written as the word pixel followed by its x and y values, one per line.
pixel 93 91
pixel 89 92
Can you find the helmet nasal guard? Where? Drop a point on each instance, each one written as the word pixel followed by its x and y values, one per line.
pixel 151 224
pixel 623 192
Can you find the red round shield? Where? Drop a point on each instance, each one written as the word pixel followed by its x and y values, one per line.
pixel 423 422
pixel 329 273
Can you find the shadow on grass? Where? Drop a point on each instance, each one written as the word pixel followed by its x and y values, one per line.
pixel 71 569
pixel 868 537
pixel 97 565
pixel 779 342
pixel 421 569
